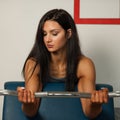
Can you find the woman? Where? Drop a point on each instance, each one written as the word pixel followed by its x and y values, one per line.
pixel 55 56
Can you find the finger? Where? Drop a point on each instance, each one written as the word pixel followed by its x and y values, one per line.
pixel 101 96
pixel 29 96
pixel 20 91
pixel 20 88
pixel 105 95
pixel 97 97
pixel 25 96
pixel 32 97
pixel 93 96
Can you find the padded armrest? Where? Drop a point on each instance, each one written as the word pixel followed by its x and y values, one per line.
pixel 53 108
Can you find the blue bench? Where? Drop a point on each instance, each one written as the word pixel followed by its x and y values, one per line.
pixel 53 108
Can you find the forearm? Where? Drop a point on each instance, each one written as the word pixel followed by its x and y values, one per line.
pixel 31 109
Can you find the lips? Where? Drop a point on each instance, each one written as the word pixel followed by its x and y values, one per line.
pixel 49 46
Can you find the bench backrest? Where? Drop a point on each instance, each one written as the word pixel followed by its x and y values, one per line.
pixel 53 108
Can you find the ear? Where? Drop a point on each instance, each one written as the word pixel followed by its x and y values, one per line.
pixel 69 33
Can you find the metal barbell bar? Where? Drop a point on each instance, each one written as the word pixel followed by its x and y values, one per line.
pixel 58 94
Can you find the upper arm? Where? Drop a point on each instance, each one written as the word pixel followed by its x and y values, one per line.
pixel 86 74
pixel 86 83
pixel 32 81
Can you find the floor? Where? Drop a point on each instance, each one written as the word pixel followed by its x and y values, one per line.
pixel 117 113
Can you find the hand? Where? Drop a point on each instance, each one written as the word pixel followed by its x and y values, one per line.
pixel 25 96
pixel 100 96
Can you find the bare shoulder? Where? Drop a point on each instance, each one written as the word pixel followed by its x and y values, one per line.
pixel 85 66
pixel 86 61
pixel 31 69
pixel 31 64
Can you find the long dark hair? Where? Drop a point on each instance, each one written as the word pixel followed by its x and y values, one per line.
pixel 41 55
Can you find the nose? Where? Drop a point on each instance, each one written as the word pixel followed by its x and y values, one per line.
pixel 48 38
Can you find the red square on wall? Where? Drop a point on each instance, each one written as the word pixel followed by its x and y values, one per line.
pixel 79 20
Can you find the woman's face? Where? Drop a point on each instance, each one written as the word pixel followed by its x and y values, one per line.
pixel 55 37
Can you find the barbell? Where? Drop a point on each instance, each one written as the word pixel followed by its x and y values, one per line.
pixel 5 92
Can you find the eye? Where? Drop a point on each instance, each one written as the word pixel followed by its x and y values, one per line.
pixel 44 33
pixel 55 33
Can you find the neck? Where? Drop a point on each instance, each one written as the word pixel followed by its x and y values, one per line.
pixel 58 58
pixel 58 65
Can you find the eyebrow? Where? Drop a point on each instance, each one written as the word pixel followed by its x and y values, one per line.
pixel 53 30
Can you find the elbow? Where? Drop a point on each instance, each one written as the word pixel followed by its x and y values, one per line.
pixel 92 114
pixel 29 112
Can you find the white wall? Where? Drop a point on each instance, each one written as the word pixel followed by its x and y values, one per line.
pixel 102 44
pixel 18 24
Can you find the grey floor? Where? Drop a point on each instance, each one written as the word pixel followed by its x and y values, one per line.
pixel 117 113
